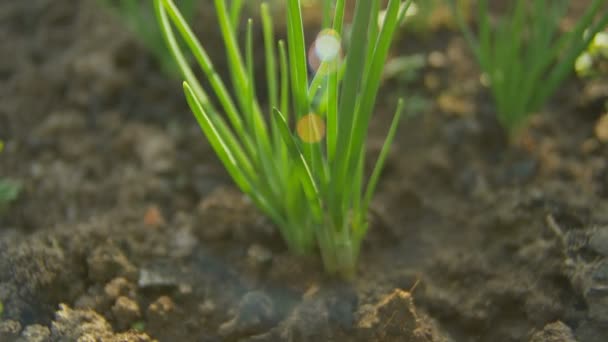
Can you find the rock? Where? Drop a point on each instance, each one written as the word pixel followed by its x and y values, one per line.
pixel 395 318
pixel 119 287
pixel 153 217
pixel 9 330
pixel 156 277
pixel 554 332
pixel 309 321
pixel 159 311
pixel 87 325
pixel 79 325
pixel 126 312
pixel 35 333
pixel 107 262
pixel 256 314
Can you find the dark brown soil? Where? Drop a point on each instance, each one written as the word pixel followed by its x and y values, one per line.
pixel 128 229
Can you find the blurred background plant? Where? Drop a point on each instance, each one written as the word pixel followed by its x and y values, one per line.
pixel 138 16
pixel 427 16
pixel 523 53
pixel 593 62
pixel 592 65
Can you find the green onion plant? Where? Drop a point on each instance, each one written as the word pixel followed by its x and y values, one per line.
pixel 525 55
pixel 299 157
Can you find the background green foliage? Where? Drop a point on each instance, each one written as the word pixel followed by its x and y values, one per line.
pixel 524 52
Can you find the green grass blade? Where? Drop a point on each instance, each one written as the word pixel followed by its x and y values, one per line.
pixel 326 13
pixel 339 17
pixel 372 83
pixel 207 66
pixel 217 142
pixel 250 95
pixel 297 58
pixel 235 13
pixel 179 57
pixel 284 67
pixel 271 64
pixel 304 171
pixel 353 76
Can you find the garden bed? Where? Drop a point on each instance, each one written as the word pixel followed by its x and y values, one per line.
pixel 128 228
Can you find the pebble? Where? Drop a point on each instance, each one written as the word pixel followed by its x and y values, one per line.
pixel 160 309
pixel 153 217
pixel 152 278
pixel 119 287
pixel 126 312
pixel 255 315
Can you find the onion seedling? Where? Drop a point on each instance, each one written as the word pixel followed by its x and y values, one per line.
pixel 300 158
pixel 524 54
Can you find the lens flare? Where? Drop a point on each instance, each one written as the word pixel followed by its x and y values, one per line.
pixel 326 51
pixel 311 128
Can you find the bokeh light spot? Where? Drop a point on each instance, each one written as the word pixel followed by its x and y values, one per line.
pixel 311 128
pixel 327 48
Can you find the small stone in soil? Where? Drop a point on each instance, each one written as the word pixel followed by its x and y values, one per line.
pixel 308 321
pixel 156 278
pixel 160 309
pixel 255 315
pixel 126 312
pixel 153 217
pixel 72 325
pixel 119 287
